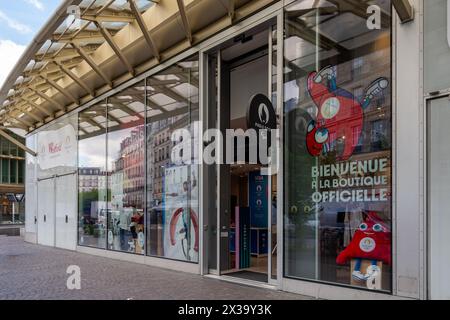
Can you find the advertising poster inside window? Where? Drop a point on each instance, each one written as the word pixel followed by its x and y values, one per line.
pixel 339 144
pixel 172 178
pixel 181 227
pixel 93 197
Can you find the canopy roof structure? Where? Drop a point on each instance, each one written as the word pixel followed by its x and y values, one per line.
pixel 89 47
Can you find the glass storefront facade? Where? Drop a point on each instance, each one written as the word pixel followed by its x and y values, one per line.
pixel 125 170
pixel 172 187
pixel 12 179
pixel 132 197
pixel 92 192
pixel 337 106
pixel 336 203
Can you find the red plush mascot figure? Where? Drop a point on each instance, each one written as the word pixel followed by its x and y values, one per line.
pixel 372 241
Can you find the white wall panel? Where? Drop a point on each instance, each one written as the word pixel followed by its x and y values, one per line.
pixel 46 212
pixel 407 170
pixel 30 192
pixel 439 201
pixel 66 212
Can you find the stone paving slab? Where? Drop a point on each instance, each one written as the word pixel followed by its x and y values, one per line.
pixel 32 272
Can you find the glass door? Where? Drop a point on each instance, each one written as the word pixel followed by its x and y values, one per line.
pixel 241 237
pixel 210 170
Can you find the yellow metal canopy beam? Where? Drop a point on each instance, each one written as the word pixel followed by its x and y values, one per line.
pixel 25 122
pixel 231 9
pixel 65 54
pixel 144 29
pixel 115 48
pixel 92 64
pixel 77 80
pixel 81 36
pixel 47 98
pixel 17 143
pixel 23 110
pixel 30 113
pixel 38 107
pixel 184 19
pixel 79 63
pixel 61 90
pixel 109 16
pixel 404 10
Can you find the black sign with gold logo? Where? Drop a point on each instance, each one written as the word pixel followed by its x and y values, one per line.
pixel 261 114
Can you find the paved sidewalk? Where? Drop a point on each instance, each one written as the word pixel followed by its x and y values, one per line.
pixel 35 272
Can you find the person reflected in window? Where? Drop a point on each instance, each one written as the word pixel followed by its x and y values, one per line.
pixel 136 227
pixel 124 228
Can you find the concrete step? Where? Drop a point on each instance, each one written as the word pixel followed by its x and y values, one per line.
pixel 10 231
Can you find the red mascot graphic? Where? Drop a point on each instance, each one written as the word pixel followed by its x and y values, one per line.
pixel 372 241
pixel 185 230
pixel 340 115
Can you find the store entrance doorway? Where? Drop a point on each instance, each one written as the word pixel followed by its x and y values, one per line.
pixel 245 237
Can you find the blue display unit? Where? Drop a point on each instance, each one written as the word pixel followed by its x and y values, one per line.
pixel 232 239
pixel 259 205
pixel 258 199
pixel 259 242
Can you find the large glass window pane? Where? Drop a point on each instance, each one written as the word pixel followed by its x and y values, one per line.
pixel 126 150
pixel 21 153
pixel 13 171
pixel 337 217
pixel 92 193
pixel 172 182
pixel 13 150
pixel 5 147
pixel 21 171
pixel 5 170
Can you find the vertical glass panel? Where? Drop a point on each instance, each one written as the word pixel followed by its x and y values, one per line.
pixel 5 147
pixel 5 205
pixel 13 150
pixel 274 193
pixel 21 153
pixel 5 170
pixel 13 171
pixel 337 91
pixel 211 170
pixel 92 193
pixel 31 186
pixel 21 171
pixel 126 218
pixel 172 181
